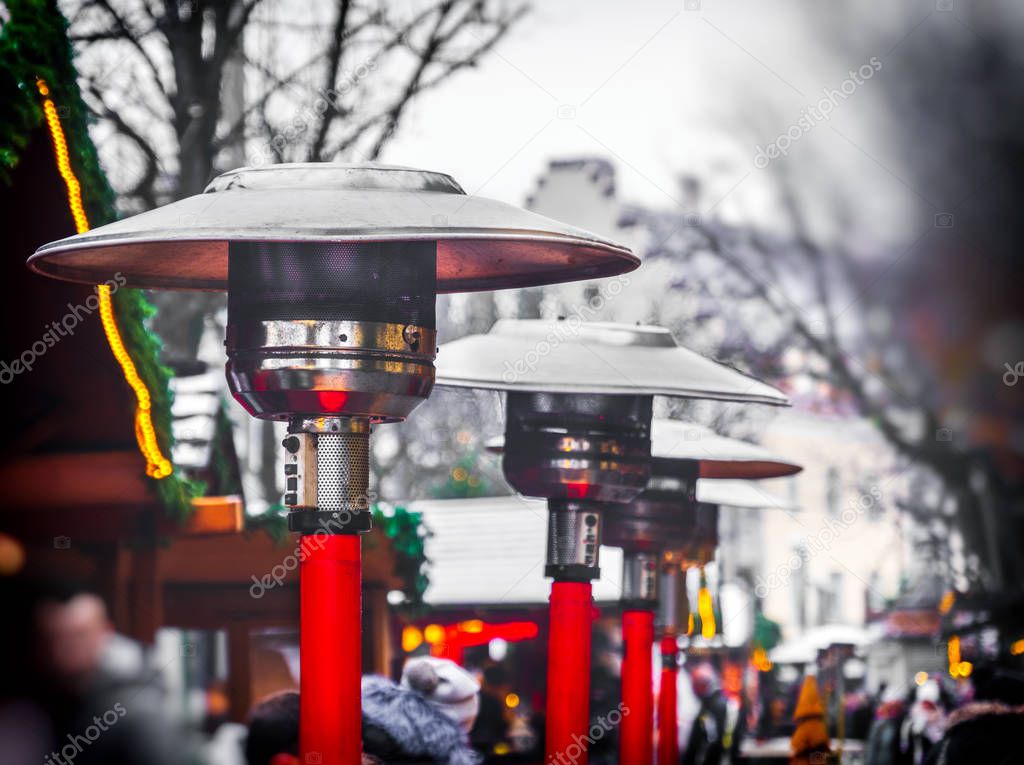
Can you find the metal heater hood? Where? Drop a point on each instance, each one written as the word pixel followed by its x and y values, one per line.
pixel 481 244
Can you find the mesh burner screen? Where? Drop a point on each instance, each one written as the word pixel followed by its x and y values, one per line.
pixel 373 281
pixel 342 471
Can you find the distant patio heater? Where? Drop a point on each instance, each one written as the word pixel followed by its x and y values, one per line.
pixel 331 273
pixel 661 532
pixel 579 400
pixel 695 549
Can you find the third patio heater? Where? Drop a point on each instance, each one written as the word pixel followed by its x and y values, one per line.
pixel 577 432
pixel 667 517
pixel 694 548
pixel 331 273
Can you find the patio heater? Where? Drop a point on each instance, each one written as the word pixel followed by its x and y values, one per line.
pixel 331 273
pixel 696 550
pixel 579 400
pixel 667 516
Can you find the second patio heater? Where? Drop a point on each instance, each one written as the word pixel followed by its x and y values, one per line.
pixel 577 432
pixel 667 516
pixel 331 272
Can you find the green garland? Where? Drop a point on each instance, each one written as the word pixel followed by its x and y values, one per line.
pixel 767 633
pixel 403 527
pixel 34 44
pixel 273 521
pixel 408 535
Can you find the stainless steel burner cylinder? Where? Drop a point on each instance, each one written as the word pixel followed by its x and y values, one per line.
pixel 673 603
pixel 640 573
pixel 663 515
pixel 577 447
pixel 334 330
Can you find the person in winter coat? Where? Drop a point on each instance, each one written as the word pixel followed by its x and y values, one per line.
pixel 490 727
pixel 924 724
pixel 707 736
pixel 882 747
pixel 273 737
pixel 810 742
pixel 982 732
pixel 425 719
pixel 101 692
pixel 422 721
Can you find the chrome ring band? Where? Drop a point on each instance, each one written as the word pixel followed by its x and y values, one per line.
pixel 275 337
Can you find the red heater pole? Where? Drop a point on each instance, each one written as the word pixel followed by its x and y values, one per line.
pixel 636 736
pixel 568 702
pixel 330 650
pixel 668 725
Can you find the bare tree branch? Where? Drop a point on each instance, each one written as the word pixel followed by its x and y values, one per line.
pixel 335 51
pixel 143 188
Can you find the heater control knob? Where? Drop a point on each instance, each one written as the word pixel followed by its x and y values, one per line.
pixel 300 470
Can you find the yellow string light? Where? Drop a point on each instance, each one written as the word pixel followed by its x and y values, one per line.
pixel 707 613
pixel 953 654
pixel 157 466
pixel 706 610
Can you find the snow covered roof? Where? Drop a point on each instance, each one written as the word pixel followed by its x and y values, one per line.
pixel 491 551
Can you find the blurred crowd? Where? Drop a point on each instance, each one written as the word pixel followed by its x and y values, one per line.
pixel 74 691
pixel 935 722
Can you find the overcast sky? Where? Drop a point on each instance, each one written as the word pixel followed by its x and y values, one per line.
pixel 659 87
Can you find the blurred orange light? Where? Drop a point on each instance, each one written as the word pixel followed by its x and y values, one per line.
pixel 12 555
pixel 512 700
pixel 472 626
pixel 953 654
pixel 761 661
pixel 412 638
pixel 433 633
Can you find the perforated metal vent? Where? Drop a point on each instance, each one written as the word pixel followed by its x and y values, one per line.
pixel 342 471
pixel 372 281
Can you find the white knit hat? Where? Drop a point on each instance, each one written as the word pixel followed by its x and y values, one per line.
pixel 447 685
